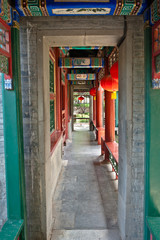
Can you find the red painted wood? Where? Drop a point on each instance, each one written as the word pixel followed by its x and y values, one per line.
pixel 109 121
pixel 109 117
pixel 154 53
pixel 66 105
pixel 56 136
pixel 100 134
pixel 94 111
pixel 7 28
pixel 99 117
pixel 113 148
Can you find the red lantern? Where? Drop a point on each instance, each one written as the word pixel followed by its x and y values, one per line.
pixel 81 98
pixel 110 84
pixel 114 71
pixel 93 91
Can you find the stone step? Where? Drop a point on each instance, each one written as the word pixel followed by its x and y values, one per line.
pixel 108 234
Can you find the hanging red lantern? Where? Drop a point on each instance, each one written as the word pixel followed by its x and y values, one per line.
pixel 114 71
pixel 110 84
pixel 93 91
pixel 81 98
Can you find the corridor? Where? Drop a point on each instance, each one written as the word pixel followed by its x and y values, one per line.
pixel 85 200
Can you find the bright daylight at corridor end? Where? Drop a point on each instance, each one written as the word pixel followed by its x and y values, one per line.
pixel 79 120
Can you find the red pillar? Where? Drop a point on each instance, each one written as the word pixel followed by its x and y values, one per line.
pixel 99 117
pixel 66 105
pixel 99 112
pixel 94 110
pixel 109 120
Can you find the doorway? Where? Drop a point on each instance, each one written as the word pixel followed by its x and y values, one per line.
pixel 40 33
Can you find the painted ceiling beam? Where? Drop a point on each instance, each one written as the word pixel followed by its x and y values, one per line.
pixel 82 71
pixel 85 7
pixel 91 76
pixel 81 62
pixel 81 48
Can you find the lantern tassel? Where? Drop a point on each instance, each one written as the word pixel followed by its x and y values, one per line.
pixel 113 95
pixel 94 97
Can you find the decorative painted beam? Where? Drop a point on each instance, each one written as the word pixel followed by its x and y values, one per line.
pixel 81 48
pixel 91 76
pixel 81 83
pixel 84 7
pixel 81 71
pixel 81 62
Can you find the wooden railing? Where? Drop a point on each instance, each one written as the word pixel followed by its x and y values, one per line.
pixel 112 148
pixel 153 224
pixel 12 229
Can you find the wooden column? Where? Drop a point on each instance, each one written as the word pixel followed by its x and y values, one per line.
pixel 99 118
pixel 109 120
pixel 66 105
pixel 99 112
pixel 94 110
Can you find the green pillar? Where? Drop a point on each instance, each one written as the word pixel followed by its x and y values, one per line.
pixel 13 136
pixel 148 77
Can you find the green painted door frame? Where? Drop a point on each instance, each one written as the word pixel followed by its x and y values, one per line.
pixel 13 137
pixel 148 76
pixel 152 137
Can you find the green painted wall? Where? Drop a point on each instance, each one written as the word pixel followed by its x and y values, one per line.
pixel 152 141
pixel 13 136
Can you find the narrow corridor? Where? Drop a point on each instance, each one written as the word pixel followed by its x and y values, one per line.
pixel 85 200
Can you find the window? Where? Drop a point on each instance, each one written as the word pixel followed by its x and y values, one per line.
pixel 5 49
pixel 52 93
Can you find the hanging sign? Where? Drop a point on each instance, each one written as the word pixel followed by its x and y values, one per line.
pixel 8 83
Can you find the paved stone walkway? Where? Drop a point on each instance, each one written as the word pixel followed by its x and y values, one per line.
pixel 85 201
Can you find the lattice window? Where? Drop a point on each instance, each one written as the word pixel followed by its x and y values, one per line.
pixel 5 49
pixel 113 57
pixel 52 94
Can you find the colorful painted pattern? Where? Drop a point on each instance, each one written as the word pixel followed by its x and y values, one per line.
pixel 34 7
pixel 81 71
pixel 81 62
pixel 155 11
pixel 128 7
pixel 85 7
pixel 81 48
pixel 101 74
pixel 5 12
pixel 81 83
pixel 113 57
pixel 81 76
pixel 4 63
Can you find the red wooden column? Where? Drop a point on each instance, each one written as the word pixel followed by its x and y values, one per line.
pixel 99 112
pixel 99 119
pixel 94 110
pixel 66 104
pixel 109 120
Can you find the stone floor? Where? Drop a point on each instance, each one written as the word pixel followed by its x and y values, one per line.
pixel 85 200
